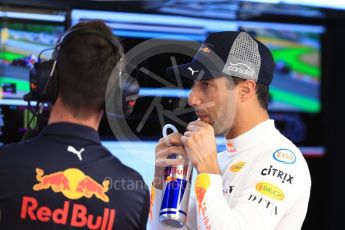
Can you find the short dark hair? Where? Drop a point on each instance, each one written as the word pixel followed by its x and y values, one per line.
pixel 262 91
pixel 84 65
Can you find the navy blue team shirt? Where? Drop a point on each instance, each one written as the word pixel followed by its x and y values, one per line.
pixel 65 179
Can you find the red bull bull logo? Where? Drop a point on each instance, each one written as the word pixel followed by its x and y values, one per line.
pixel 58 182
pixel 72 183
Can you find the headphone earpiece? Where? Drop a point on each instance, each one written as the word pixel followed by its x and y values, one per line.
pixel 130 92
pixel 42 82
pixel 122 91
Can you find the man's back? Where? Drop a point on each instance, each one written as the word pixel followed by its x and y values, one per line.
pixel 64 178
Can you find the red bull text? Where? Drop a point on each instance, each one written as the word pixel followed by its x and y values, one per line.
pixel 75 215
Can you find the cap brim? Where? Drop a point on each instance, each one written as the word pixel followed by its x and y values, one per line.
pixel 193 71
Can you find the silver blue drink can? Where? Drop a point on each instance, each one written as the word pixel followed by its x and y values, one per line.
pixel 176 192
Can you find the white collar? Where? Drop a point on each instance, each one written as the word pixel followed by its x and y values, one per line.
pixel 251 137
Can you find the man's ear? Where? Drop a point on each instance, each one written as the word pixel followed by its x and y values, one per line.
pixel 247 89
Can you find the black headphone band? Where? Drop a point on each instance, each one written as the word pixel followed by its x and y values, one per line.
pixel 69 34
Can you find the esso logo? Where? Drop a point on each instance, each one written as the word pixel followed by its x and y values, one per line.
pixel 284 156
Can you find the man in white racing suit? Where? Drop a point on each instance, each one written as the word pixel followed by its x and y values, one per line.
pixel 262 180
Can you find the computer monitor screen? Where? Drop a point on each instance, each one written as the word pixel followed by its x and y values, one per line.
pixel 23 37
pixel 297 53
pixel 25 32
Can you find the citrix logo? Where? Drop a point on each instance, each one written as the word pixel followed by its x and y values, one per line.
pixel 285 177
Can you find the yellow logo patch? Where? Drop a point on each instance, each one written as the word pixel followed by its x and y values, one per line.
pixel 270 190
pixel 237 166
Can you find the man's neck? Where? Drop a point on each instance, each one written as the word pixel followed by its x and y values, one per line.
pixel 246 121
pixel 60 113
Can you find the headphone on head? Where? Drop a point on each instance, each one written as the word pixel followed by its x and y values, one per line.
pixel 43 76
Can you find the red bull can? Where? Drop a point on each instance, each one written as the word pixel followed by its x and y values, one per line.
pixel 176 191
